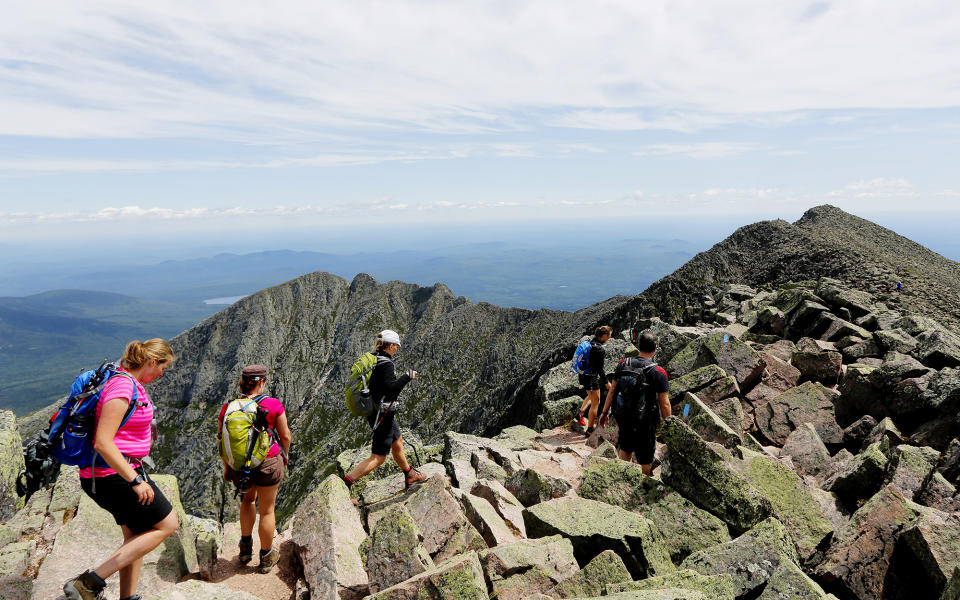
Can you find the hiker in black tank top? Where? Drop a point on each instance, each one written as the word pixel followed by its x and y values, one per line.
pixel 385 387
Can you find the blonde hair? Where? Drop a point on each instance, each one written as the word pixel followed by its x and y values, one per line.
pixel 138 353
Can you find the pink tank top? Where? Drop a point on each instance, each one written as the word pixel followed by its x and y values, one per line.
pixel 134 438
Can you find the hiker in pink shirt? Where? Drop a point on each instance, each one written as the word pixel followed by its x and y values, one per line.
pixel 122 488
pixel 264 481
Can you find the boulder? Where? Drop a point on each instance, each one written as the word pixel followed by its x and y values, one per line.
pixel 702 474
pixel 685 527
pixel 819 366
pixel 884 431
pixel 735 357
pixel 671 339
pixel 719 390
pixel 559 382
pixel 461 473
pixel 460 577
pixel 909 467
pixel 939 493
pixel 837 295
pixel 502 501
pixel 396 552
pixel 485 519
pixel 861 477
pixel 487 468
pixel 714 587
pixel 11 464
pixel 860 394
pixel 895 340
pixel 807 403
pixel 209 540
pixel 782 349
pixel 532 487
pixel 518 437
pixel 593 527
pixel 694 381
pixel 805 320
pixel 949 464
pixel 778 373
pixel 939 348
pixel 707 424
pixel 859 558
pixel 605 569
pixel 327 534
pixel 793 504
pixel 835 328
pixel 556 413
pixel 201 590
pixel 439 517
pixel 380 490
pixel 527 567
pixel 730 410
pixel 788 581
pixel 952 590
pixel 863 349
pixel 750 560
pixel 92 536
pixel 934 540
pixel 943 390
pixel 855 435
pixel 807 451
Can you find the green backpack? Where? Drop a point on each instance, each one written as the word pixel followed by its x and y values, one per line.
pixel 357 389
pixel 245 437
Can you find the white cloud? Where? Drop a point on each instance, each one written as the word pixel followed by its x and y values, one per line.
pixel 701 150
pixel 249 71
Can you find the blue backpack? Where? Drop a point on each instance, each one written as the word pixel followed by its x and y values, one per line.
pixel 581 358
pixel 73 426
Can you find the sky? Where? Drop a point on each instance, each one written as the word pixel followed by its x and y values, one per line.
pixel 133 118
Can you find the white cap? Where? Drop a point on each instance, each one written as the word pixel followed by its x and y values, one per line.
pixel 390 336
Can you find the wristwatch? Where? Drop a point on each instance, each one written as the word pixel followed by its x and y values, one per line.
pixel 136 480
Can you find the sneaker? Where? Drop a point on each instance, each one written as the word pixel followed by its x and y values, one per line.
pixel 246 550
pixel 268 560
pixel 414 477
pixel 581 421
pixel 86 586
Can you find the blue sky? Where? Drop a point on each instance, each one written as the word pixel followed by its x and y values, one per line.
pixel 174 116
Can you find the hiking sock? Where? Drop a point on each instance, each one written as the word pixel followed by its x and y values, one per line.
pixel 407 470
pixel 348 480
pixel 246 538
pixel 265 552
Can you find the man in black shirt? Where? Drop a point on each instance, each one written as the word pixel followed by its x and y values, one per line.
pixel 594 377
pixel 639 415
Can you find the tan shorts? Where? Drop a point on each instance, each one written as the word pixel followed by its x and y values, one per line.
pixel 268 474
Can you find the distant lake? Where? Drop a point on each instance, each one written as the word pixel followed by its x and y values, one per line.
pixel 223 300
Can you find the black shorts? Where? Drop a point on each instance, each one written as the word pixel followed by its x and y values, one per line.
pixel 268 474
pixel 589 382
pixel 384 435
pixel 639 439
pixel 115 496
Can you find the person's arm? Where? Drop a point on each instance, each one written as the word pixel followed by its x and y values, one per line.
pixel 111 415
pixel 284 435
pixel 392 383
pixel 605 413
pixel 664 399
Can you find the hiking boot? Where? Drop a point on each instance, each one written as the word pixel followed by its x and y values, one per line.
pixel 86 586
pixel 133 597
pixel 581 421
pixel 246 550
pixel 414 477
pixel 268 560
pixel 588 431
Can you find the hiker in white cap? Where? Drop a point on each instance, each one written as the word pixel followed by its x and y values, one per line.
pixel 385 387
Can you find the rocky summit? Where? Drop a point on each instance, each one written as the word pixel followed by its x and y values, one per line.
pixel 814 450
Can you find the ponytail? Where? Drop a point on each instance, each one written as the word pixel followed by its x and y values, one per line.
pixel 138 353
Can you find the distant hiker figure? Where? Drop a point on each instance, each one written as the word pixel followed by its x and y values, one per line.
pixel 638 399
pixel 384 389
pixel 254 442
pixel 117 480
pixel 588 363
pixel 899 287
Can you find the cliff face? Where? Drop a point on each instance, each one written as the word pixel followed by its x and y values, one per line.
pixel 479 364
pixel 470 357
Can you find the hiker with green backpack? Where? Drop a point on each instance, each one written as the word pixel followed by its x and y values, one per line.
pixel 372 391
pixel 254 442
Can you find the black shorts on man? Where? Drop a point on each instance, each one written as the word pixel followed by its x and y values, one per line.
pixel 115 496
pixel 639 439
